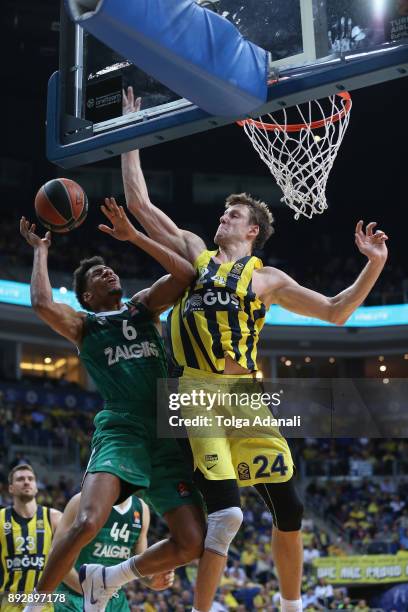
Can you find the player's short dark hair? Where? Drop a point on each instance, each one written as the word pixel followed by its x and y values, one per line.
pixel 18 468
pixel 259 214
pixel 80 277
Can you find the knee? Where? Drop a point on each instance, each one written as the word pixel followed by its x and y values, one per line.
pixel 223 525
pixel 86 526
pixel 190 545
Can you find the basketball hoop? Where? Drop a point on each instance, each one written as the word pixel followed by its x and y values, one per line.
pixel 299 147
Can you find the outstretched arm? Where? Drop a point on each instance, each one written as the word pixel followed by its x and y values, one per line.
pixel 274 286
pixel 181 270
pixel 61 317
pixel 156 223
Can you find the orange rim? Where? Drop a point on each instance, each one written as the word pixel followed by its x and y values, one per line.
pixel 297 127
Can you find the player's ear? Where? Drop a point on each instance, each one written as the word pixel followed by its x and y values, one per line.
pixel 86 296
pixel 253 231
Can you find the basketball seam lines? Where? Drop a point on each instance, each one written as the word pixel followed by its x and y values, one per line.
pixel 69 197
pixel 52 205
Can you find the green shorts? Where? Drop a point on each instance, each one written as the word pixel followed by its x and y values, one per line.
pixel 74 602
pixel 128 447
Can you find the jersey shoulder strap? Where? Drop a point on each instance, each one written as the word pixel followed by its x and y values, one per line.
pixel 136 510
pixel 139 310
pixel 203 258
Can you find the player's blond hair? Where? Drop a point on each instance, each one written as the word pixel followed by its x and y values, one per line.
pixel 259 214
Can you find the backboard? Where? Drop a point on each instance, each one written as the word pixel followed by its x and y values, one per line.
pixel 317 47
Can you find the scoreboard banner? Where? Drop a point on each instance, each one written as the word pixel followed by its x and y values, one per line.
pixel 366 316
pixel 363 569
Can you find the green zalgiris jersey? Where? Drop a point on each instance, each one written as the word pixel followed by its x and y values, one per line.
pixel 116 540
pixel 114 543
pixel 124 354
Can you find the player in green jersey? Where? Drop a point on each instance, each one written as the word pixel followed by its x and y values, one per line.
pixel 124 534
pixel 123 351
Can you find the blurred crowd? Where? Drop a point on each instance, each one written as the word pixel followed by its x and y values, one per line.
pixel 371 515
pixel 56 427
pixel 359 457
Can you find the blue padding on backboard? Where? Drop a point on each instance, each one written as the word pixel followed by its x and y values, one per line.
pixel 193 51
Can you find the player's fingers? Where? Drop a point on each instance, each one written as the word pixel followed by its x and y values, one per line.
pixel 359 226
pixel 370 227
pixel 106 211
pixel 108 203
pixel 48 236
pixel 113 205
pixel 106 229
pixel 138 103
pixel 122 213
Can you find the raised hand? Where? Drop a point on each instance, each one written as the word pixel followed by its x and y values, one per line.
pixel 129 103
pixel 27 230
pixel 122 228
pixel 370 244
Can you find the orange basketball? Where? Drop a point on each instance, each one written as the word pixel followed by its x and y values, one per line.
pixel 61 205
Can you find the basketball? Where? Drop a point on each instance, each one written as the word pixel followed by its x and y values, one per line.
pixel 61 205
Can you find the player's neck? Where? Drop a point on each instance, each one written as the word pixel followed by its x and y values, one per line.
pixel 25 509
pixel 233 252
pixel 109 306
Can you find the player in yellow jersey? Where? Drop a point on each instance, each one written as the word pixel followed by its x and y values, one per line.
pixel 214 330
pixel 26 531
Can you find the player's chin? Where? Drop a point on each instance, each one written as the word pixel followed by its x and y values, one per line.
pixel 115 290
pixel 27 497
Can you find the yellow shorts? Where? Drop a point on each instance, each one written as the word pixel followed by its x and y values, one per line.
pixel 226 438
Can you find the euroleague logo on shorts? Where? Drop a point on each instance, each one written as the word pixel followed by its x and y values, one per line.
pixel 243 471
pixel 183 489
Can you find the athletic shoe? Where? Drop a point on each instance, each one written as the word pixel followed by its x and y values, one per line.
pixel 93 585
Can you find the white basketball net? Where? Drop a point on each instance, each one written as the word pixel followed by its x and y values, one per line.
pixel 300 155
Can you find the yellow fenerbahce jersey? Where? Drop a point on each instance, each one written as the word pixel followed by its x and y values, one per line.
pixel 218 314
pixel 24 546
